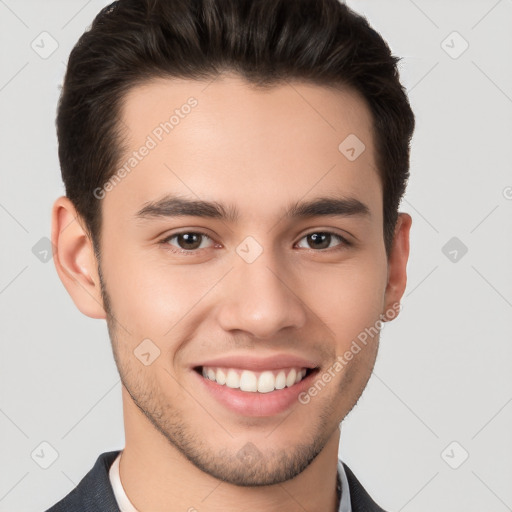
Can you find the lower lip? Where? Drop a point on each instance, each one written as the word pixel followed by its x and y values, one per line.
pixel 254 403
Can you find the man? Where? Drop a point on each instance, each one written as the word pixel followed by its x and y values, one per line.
pixel 233 171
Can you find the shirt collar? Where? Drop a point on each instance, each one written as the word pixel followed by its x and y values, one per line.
pixel 345 505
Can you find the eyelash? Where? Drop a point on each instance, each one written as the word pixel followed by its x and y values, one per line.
pixel 165 242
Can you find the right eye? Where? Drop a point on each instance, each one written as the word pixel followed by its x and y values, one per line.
pixel 186 241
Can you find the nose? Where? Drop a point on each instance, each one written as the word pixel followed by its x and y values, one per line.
pixel 259 298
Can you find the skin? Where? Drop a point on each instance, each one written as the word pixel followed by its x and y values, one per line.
pixel 258 150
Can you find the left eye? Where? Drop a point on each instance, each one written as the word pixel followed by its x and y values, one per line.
pixel 322 240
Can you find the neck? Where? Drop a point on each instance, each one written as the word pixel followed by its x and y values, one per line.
pixel 157 477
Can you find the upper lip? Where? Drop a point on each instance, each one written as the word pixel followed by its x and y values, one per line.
pixel 248 362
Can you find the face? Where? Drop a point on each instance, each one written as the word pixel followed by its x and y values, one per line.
pixel 265 281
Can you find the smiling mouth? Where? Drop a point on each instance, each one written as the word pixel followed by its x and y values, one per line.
pixel 265 381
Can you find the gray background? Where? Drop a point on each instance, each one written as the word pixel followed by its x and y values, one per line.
pixel 442 386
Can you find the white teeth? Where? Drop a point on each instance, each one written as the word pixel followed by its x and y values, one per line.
pixel 280 380
pixel 221 376
pixel 290 380
pixel 266 382
pixel 232 379
pixel 249 381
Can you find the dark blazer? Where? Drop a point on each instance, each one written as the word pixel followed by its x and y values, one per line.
pixel 94 492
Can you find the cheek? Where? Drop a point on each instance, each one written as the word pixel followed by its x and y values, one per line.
pixel 141 297
pixel 349 299
pixel 149 297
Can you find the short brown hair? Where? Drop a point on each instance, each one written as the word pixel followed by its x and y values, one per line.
pixel 264 41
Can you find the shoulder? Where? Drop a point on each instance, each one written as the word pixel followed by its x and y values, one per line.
pixel 360 500
pixel 94 491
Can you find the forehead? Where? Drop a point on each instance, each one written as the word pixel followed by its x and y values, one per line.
pixel 227 140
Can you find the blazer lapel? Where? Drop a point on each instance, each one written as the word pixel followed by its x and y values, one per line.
pixel 359 498
pixel 94 491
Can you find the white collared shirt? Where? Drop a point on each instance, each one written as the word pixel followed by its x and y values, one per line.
pixel 125 504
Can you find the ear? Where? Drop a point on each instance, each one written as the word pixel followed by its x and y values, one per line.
pixel 75 260
pixel 397 264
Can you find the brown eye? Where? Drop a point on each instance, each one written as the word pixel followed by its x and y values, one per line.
pixel 322 240
pixel 187 241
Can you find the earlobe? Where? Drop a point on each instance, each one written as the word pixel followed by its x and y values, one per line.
pixel 75 260
pixel 397 267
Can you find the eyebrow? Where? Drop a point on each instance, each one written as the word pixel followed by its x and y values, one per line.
pixel 174 206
